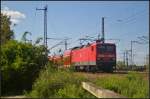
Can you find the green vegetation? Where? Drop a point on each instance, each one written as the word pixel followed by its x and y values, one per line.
pixel 20 65
pixel 54 83
pixel 62 83
pixel 20 61
pixel 5 31
pixel 132 85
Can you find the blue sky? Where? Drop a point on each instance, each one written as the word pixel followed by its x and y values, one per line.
pixel 76 19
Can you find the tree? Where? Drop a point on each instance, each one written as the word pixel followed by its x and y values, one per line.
pixel 20 66
pixel 5 32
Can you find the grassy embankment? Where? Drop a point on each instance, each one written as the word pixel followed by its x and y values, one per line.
pixel 133 85
pixel 53 83
pixel 64 84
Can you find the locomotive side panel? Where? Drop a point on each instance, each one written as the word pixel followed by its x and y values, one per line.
pixel 92 55
pixel 85 56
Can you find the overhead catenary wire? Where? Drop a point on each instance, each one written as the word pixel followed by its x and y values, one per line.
pixel 135 14
pixel 110 3
pixel 129 19
pixel 143 39
pixel 132 17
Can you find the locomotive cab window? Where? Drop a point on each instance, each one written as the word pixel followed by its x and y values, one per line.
pixel 110 48
pixel 102 48
pixel 106 48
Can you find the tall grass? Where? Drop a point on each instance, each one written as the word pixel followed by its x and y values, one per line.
pixel 53 83
pixel 132 86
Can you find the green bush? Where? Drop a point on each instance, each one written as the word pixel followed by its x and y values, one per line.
pixel 132 85
pixel 53 83
pixel 20 65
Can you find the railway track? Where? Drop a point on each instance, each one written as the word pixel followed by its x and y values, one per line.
pixel 96 75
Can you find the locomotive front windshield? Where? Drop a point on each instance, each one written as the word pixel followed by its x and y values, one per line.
pixel 106 48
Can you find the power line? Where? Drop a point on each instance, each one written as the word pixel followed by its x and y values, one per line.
pixel 144 39
pixel 130 18
pixel 112 3
pixel 63 41
pixel 135 14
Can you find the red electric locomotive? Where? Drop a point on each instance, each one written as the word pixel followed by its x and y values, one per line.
pixel 90 57
pixel 95 56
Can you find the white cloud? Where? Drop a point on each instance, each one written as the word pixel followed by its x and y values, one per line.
pixel 15 21
pixel 15 16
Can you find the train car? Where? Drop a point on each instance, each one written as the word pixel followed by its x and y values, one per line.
pixel 57 60
pixel 67 58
